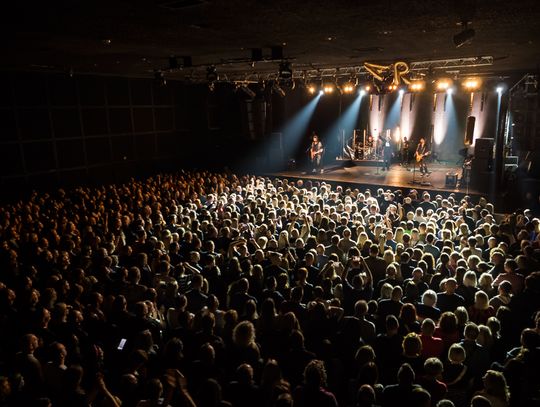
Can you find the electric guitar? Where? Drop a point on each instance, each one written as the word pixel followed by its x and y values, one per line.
pixel 419 157
pixel 313 153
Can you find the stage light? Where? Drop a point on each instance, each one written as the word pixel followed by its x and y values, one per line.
pixel 285 71
pixel 211 74
pixel 464 37
pixel 500 88
pixel 417 86
pixel 348 87
pixel 472 84
pixel 443 84
pixel 401 92
pixel 328 88
pixel 449 91
pixel 321 92
pixel 367 88
pixel 362 92
pixel 312 89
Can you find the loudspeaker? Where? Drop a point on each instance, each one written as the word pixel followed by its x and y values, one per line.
pixel 479 165
pixel 511 159
pixel 451 180
pixel 483 148
pixel 469 131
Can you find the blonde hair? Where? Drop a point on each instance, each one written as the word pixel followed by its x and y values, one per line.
pixel 456 353
pixel 481 300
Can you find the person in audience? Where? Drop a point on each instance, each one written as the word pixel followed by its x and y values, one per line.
pixel 166 290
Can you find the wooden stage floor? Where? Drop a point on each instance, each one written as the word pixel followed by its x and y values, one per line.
pixel 396 177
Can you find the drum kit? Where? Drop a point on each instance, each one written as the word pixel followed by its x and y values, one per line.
pixel 367 150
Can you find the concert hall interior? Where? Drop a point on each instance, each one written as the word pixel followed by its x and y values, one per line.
pixel 144 145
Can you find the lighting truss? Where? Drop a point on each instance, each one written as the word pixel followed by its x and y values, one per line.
pixel 309 72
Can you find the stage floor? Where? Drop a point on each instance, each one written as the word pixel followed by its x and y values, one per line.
pixel 396 177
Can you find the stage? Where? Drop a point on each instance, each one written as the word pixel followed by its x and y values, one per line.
pixel 369 176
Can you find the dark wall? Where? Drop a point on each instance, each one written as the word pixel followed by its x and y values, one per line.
pixel 58 130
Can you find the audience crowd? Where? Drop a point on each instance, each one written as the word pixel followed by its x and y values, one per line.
pixel 203 289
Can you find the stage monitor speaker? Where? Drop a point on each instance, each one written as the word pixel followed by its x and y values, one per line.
pixel 511 159
pixel 469 131
pixel 483 148
pixel 480 164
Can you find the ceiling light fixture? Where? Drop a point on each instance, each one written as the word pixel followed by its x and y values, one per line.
pixel 472 84
pixel 464 37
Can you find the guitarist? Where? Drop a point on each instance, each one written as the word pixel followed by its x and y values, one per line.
pixel 315 153
pixel 420 155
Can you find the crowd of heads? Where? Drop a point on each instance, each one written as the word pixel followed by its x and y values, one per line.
pixel 204 289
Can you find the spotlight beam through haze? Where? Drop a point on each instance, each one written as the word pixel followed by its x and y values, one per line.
pixel 347 121
pixel 295 129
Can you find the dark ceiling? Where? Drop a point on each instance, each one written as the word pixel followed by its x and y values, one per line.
pixel 136 37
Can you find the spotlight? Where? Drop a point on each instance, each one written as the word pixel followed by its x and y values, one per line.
pixel 312 89
pixel 472 84
pixel 348 87
pixel 401 92
pixel 285 71
pixel 417 86
pixel 328 88
pixel 449 91
pixel 321 92
pixel 362 92
pixel 367 88
pixel 443 84
pixel 500 88
pixel 211 74
pixel 464 37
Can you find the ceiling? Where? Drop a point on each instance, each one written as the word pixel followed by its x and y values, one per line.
pixel 136 37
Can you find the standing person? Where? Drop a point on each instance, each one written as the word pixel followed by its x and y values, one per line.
pixel 421 154
pixel 387 152
pixel 315 153
pixel 405 145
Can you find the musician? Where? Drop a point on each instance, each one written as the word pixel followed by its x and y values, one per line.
pixel 405 145
pixel 420 155
pixel 315 153
pixel 387 152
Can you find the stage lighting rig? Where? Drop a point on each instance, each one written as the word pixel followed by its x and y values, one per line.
pixel 472 84
pixel 417 86
pixel 348 87
pixel 285 71
pixel 328 87
pixel 443 84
